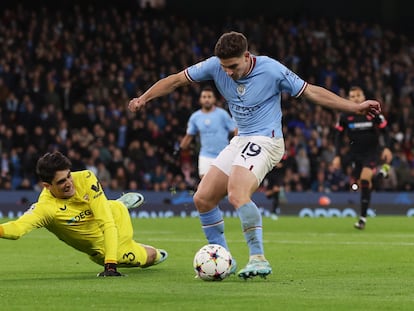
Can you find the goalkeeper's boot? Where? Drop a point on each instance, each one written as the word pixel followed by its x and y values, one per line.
pixel 360 224
pixel 256 267
pixel 163 257
pixel 132 199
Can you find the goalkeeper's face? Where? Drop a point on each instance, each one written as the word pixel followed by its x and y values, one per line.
pixel 62 185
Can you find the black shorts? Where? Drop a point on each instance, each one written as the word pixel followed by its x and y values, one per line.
pixel 361 160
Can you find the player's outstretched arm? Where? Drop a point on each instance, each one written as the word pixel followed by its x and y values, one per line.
pixel 328 99
pixel 160 88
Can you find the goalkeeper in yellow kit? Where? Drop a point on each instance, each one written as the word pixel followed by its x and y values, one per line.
pixel 73 206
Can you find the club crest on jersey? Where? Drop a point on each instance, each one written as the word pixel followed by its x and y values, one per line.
pixel 241 89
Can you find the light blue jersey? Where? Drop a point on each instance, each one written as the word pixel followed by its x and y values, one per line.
pixel 254 100
pixel 214 128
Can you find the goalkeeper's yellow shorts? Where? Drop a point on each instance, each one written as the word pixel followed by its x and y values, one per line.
pixel 130 253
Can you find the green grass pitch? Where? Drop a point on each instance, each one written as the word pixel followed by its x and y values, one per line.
pixel 318 264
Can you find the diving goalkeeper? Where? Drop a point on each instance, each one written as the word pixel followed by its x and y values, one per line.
pixel 73 206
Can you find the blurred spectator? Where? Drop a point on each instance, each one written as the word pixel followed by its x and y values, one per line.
pixel 25 184
pixel 320 184
pixel 103 174
pixel 116 161
pixel 15 169
pixel 336 179
pixel 408 184
pixel 119 181
pixel 158 177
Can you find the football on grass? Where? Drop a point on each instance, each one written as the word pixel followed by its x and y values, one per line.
pixel 212 262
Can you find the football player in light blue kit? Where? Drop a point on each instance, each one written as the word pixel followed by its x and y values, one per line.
pixel 214 125
pixel 252 86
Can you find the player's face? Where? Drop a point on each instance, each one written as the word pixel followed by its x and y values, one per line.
pixel 236 67
pixel 207 100
pixel 357 96
pixel 62 185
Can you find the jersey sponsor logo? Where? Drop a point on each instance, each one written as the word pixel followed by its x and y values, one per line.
pixel 243 110
pixel 80 216
pixel 361 125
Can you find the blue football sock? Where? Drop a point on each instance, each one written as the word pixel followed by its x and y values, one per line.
pixel 251 221
pixel 213 226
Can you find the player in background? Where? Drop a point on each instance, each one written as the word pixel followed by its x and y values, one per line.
pixel 214 125
pixel 73 206
pixel 274 188
pixel 365 150
pixel 252 87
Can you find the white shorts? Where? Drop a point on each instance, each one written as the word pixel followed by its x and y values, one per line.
pixel 258 154
pixel 204 164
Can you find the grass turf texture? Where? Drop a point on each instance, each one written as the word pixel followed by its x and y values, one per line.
pixel 318 264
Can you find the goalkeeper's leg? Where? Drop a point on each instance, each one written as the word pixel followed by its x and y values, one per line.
pixel 140 255
pixel 131 253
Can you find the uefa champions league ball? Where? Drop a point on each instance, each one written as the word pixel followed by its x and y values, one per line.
pixel 212 263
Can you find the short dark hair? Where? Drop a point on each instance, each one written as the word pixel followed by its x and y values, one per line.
pixel 356 88
pixel 50 163
pixel 231 44
pixel 208 88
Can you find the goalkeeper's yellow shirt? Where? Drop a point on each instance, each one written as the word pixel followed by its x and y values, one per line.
pixel 84 221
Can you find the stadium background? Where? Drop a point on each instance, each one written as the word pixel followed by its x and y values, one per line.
pixel 390 13
pixel 19 187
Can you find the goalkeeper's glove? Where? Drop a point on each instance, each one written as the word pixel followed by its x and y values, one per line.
pixel 110 270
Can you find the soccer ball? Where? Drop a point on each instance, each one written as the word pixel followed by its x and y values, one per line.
pixel 212 262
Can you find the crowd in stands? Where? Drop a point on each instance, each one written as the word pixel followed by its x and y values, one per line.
pixel 66 77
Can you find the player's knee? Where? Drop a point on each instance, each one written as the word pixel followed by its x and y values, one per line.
pixel 202 204
pixel 233 199
pixel 199 201
pixel 238 199
pixel 365 184
pixel 365 191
